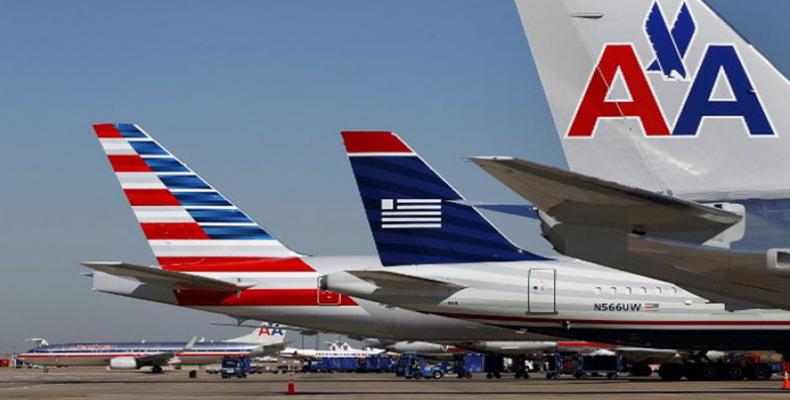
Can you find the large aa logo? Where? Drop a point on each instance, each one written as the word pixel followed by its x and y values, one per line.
pixel 721 65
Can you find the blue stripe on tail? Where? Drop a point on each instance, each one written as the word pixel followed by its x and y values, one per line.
pixel 417 218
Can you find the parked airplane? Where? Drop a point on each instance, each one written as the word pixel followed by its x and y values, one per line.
pixel 214 257
pixel 263 341
pixel 442 256
pixel 336 349
pixel 676 130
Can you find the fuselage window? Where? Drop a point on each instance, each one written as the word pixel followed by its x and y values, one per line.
pixel 644 290
pixel 628 290
pixel 613 290
pixel 597 290
pixel 658 290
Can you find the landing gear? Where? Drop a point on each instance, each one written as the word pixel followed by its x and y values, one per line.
pixel 732 372
pixel 522 375
pixel 494 366
pixel 192 374
pixel 709 371
pixel 706 372
pixel 758 372
pixel 519 367
pixel 156 369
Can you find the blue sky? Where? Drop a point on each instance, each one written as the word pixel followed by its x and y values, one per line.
pixel 252 94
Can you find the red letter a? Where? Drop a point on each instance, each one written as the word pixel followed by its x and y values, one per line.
pixel 642 104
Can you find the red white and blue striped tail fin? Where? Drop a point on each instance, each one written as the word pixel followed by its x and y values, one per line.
pixel 189 225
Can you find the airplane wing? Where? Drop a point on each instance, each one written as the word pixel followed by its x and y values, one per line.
pixel 699 259
pixel 392 280
pixel 579 199
pixel 164 357
pixel 647 355
pixel 167 278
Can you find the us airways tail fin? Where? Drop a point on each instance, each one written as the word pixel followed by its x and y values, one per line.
pixel 189 225
pixel 415 216
pixel 661 94
pixel 266 334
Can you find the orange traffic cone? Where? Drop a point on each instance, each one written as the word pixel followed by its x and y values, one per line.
pixel 786 383
pixel 292 387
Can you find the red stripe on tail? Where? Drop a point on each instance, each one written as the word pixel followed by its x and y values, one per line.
pixel 173 230
pixel 234 264
pixel 128 163
pixel 374 142
pixel 151 197
pixel 107 131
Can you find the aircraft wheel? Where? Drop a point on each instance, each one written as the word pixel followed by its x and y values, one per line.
pixel 156 369
pixel 733 372
pixel 192 374
pixel 707 372
pixel 437 374
pixel 489 375
pixel 762 372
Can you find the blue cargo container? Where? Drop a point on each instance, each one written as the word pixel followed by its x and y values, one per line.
pixel 334 364
pixel 375 364
pixel 474 363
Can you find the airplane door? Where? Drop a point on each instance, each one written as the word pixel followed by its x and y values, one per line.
pixel 541 294
pixel 327 297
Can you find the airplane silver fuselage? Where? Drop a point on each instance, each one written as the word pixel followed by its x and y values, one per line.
pixel 572 298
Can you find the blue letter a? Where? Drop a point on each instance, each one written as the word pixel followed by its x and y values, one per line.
pixel 745 103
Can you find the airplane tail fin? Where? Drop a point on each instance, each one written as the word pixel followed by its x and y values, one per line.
pixel 189 225
pixel 660 94
pixel 267 334
pixel 416 217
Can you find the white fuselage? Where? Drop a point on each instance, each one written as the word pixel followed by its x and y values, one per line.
pixel 293 298
pixel 572 298
pixel 102 354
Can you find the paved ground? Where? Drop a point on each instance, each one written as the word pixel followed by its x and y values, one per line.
pixel 94 383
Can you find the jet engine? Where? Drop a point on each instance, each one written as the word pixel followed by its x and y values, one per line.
pixel 417 347
pixel 123 363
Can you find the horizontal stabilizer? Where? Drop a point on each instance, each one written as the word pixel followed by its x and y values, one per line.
pixel 168 278
pixel 396 281
pixel 579 199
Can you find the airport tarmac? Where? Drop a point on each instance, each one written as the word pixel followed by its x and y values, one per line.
pixel 95 383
